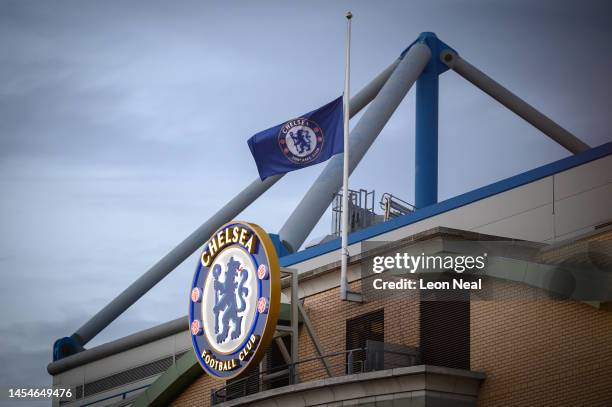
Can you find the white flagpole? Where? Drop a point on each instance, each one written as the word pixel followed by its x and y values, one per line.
pixel 345 173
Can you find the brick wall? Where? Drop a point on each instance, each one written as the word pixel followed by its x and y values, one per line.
pixel 198 393
pixel 535 351
pixel 328 315
pixel 541 352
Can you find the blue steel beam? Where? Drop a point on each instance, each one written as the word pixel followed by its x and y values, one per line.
pixel 426 135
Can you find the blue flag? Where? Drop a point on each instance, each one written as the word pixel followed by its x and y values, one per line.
pixel 310 139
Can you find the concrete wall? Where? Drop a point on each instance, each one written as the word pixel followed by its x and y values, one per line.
pixel 414 386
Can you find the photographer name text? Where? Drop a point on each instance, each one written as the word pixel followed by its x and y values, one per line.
pixel 421 284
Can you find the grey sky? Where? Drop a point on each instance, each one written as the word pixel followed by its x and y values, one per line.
pixel 123 126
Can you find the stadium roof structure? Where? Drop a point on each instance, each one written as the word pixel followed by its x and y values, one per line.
pixel 491 190
pixel 421 63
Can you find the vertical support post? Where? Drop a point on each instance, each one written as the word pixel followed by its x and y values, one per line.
pixel 295 349
pixel 426 135
pixel 426 138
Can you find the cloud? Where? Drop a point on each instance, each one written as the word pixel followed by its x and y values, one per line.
pixel 123 127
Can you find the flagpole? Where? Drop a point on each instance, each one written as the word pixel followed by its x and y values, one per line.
pixel 345 173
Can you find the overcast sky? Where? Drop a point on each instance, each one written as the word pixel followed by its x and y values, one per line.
pixel 123 127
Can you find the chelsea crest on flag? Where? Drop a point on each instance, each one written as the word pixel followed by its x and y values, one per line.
pixel 307 140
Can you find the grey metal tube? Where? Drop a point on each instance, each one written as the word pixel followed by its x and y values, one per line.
pixel 308 212
pixel 112 348
pixel 195 240
pixel 171 260
pixel 513 102
pixel 369 91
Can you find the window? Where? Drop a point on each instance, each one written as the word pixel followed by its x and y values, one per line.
pixel 366 327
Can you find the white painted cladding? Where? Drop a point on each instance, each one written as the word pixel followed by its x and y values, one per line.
pixel 551 209
pixel 120 362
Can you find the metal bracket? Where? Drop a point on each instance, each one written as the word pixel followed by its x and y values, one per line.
pixel 295 349
pixel 315 339
pixel 353 297
pixel 296 310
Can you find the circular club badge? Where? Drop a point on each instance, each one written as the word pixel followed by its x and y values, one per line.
pixel 301 140
pixel 234 299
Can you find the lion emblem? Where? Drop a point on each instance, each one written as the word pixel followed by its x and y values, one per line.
pixel 301 140
pixel 230 297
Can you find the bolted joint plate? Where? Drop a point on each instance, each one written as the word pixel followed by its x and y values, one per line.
pixel 438 49
pixel 66 346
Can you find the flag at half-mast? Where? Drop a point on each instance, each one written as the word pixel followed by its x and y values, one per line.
pixel 307 140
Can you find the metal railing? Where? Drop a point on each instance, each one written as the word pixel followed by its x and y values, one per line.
pixel 375 356
pixel 394 206
pixel 360 207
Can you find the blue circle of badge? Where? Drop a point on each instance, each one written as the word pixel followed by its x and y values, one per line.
pixel 233 311
pixel 301 140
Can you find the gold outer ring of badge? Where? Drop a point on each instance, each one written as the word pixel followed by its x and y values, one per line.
pixel 273 302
